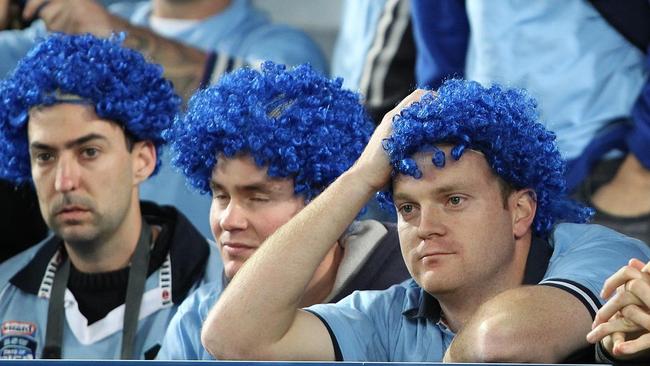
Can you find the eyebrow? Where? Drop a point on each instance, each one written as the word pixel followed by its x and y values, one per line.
pixel 70 144
pixel 261 187
pixel 443 190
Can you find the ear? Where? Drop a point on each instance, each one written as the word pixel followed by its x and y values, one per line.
pixel 523 206
pixel 144 160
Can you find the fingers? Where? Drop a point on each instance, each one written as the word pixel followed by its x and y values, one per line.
pixel 33 8
pixel 614 325
pixel 624 321
pixel 415 96
pixel 619 301
pixel 637 315
pixel 619 278
pixel 617 338
pixel 373 165
pixel 55 16
pixel 635 263
pixel 645 268
pixel 4 14
pixel 642 343
pixel 640 288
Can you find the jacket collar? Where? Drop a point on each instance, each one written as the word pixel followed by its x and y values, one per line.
pixel 188 253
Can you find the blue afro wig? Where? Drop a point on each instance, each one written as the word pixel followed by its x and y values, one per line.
pixel 503 124
pixel 296 122
pixel 120 84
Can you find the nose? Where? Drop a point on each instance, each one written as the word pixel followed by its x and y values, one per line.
pixel 67 175
pixel 431 223
pixel 233 217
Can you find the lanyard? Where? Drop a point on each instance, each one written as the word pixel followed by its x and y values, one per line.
pixel 134 292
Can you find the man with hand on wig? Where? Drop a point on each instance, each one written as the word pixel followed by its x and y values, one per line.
pixel 81 119
pixel 502 268
pixel 265 144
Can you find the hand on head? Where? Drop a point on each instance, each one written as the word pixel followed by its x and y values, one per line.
pixel 623 323
pixel 374 160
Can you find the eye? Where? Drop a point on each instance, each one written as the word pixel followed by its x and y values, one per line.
pixel 219 196
pixel 456 200
pixel 406 208
pixel 44 157
pixel 259 199
pixel 90 152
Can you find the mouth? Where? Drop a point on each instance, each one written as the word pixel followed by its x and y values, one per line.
pixel 72 212
pixel 71 208
pixel 238 249
pixel 434 255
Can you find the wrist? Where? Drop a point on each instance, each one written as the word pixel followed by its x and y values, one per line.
pixel 364 180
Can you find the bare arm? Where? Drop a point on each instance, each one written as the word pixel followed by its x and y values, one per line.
pixel 257 311
pixel 183 65
pixel 523 325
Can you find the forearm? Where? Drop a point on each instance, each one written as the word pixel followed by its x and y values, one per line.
pixel 184 66
pixel 527 324
pixel 268 288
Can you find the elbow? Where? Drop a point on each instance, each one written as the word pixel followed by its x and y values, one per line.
pixel 220 348
pixel 229 347
pixel 497 341
pixel 211 343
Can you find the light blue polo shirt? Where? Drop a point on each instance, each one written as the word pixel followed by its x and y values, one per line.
pixel 402 323
pixel 182 340
pixel 581 70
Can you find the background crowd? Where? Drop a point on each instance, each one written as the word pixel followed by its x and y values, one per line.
pixel 585 66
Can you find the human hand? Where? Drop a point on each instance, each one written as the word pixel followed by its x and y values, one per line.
pixel 10 15
pixel 72 16
pixel 374 162
pixel 623 323
pixel 4 14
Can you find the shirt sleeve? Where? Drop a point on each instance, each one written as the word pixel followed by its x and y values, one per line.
pixel 360 323
pixel 182 340
pixel 585 256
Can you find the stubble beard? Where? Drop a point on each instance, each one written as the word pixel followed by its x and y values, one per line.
pixel 78 233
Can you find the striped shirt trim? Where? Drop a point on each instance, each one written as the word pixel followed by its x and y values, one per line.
pixel 45 289
pixel 589 299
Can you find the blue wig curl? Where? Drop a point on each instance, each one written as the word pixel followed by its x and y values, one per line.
pixel 296 122
pixel 501 123
pixel 121 85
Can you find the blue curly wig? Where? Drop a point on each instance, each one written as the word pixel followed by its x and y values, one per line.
pixel 503 124
pixel 120 84
pixel 296 122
